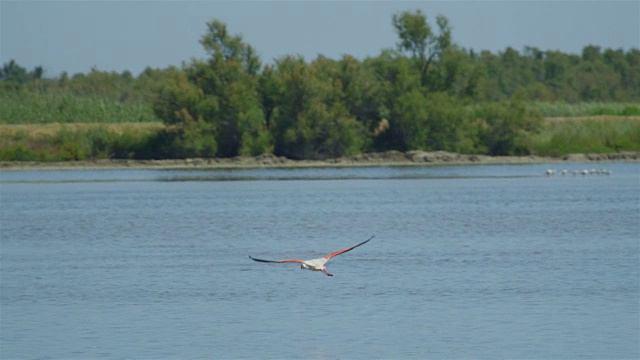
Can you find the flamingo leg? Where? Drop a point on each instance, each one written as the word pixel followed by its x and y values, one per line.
pixel 326 273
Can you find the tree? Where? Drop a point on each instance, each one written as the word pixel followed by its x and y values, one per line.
pixel 220 96
pixel 12 72
pixel 178 101
pixel 310 119
pixel 503 127
pixel 591 53
pixel 229 83
pixel 361 90
pixel 268 92
pixel 455 74
pixel 432 121
pixel 395 78
pixel 417 38
pixel 632 81
pixel 409 118
pixel 37 73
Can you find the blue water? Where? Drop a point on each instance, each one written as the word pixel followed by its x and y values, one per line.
pixel 467 262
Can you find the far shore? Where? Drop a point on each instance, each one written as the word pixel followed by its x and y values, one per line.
pixel 389 158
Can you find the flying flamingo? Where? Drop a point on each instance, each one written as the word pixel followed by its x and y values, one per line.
pixel 314 264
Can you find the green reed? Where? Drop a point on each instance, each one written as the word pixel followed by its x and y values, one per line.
pixel 34 108
pixel 91 141
pixel 587 136
pixel 562 109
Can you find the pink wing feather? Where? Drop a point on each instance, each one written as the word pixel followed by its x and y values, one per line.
pixel 347 249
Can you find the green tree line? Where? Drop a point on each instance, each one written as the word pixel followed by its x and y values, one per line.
pixel 427 93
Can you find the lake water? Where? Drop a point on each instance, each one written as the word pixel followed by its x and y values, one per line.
pixel 467 262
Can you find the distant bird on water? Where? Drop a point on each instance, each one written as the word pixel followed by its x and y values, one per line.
pixel 314 264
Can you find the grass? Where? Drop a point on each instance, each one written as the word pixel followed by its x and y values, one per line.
pixel 60 142
pixel 49 130
pixel 562 109
pixel 601 134
pixel 34 108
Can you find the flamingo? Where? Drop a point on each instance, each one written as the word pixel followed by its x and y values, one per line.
pixel 314 264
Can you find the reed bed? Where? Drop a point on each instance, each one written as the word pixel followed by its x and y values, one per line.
pixel 602 134
pixel 34 108
pixel 562 109
pixel 60 142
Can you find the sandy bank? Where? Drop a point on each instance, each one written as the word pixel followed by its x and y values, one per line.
pixel 389 158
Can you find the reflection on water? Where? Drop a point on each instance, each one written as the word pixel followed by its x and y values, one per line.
pixel 467 262
pixel 335 173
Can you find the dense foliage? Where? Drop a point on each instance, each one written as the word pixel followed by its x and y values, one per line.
pixel 426 94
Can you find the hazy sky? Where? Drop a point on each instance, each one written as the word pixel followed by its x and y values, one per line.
pixel 75 36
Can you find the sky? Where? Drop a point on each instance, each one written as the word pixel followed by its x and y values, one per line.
pixel 76 36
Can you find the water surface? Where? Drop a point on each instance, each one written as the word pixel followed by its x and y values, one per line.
pixel 467 262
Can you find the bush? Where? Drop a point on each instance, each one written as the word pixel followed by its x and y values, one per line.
pixel 504 127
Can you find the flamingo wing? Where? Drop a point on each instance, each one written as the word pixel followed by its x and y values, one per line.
pixel 347 249
pixel 276 261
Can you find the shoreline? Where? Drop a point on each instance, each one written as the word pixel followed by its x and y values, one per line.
pixel 389 158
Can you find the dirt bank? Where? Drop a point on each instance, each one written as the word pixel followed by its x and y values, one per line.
pixel 389 158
